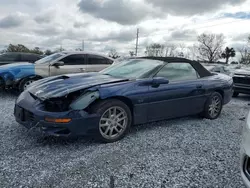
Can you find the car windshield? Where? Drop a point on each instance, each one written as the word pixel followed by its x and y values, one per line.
pixel 49 58
pixel 133 68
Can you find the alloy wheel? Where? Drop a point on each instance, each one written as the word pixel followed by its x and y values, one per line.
pixel 113 122
pixel 214 107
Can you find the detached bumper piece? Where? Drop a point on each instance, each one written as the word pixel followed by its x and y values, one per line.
pixel 56 131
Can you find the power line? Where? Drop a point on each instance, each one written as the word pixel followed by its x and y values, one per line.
pixel 221 24
pixel 147 35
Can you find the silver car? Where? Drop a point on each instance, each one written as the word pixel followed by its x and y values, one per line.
pixel 245 153
pixel 21 75
pixel 71 62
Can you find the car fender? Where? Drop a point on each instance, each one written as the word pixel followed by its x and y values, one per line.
pixel 11 74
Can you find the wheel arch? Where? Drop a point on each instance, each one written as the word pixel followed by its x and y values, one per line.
pixel 127 101
pixel 123 99
pixel 220 91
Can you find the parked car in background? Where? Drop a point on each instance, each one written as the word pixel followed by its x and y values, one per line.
pixel 245 153
pixel 218 68
pixel 13 57
pixel 21 75
pixel 137 91
pixel 241 80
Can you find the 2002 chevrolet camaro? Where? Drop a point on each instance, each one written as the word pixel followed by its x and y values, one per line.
pixel 134 91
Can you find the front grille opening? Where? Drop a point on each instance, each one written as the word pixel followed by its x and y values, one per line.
pixel 246 167
pixel 241 80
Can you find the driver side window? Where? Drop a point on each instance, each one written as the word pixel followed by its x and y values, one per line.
pixel 77 59
pixel 178 72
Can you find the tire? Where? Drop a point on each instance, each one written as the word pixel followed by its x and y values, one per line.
pixel 213 112
pixel 25 83
pixel 108 122
pixel 235 94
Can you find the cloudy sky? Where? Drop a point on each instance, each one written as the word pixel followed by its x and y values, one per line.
pixel 106 24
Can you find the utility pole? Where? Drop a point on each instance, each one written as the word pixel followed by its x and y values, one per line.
pixel 82 45
pixel 136 45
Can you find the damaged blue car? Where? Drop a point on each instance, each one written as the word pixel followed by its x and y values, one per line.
pixel 134 91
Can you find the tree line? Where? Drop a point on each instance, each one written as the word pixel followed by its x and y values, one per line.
pixel 209 48
pixel 23 48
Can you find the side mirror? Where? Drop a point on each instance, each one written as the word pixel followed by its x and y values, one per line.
pixel 58 64
pixel 159 81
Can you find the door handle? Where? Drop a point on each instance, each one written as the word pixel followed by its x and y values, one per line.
pixel 199 86
pixel 81 69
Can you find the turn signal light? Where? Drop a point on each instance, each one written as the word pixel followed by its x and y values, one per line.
pixel 56 120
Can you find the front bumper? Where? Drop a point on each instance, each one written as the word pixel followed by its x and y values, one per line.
pixel 242 88
pixel 29 113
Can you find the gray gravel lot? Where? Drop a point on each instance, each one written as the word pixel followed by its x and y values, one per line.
pixel 187 152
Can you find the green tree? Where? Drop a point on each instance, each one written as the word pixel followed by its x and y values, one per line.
pixel 36 50
pixel 229 52
pixel 17 48
pixel 48 52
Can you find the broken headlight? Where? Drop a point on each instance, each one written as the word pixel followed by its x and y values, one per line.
pixel 84 100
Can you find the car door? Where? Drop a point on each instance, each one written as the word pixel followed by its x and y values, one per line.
pixel 74 63
pixel 183 95
pixel 96 63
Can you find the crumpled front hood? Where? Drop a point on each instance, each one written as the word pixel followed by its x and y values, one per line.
pixel 59 86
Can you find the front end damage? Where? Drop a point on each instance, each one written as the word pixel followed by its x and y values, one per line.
pixel 62 116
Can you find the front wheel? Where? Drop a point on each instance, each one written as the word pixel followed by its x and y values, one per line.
pixel 213 106
pixel 115 119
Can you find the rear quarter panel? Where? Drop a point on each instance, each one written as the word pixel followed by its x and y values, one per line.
pixel 220 83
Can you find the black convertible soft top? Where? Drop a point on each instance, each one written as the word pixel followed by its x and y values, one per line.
pixel 203 72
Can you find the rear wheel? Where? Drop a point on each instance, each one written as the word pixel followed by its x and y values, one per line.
pixel 115 119
pixel 213 106
pixel 25 83
pixel 235 94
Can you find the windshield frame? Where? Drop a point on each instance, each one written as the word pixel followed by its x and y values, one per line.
pixel 147 74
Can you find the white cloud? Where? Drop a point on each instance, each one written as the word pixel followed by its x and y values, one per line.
pixel 106 24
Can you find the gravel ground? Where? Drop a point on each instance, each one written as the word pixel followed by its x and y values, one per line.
pixel 186 152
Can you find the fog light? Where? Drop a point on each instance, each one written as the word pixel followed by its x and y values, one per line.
pixel 58 120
